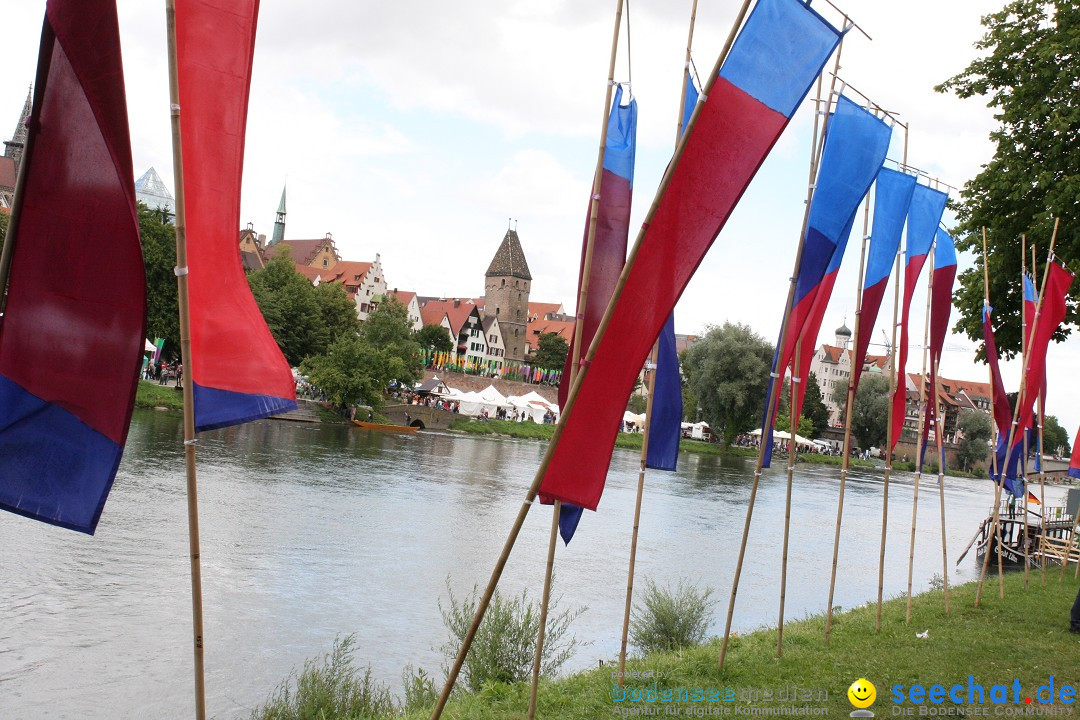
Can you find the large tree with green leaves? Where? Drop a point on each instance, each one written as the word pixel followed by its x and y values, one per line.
pixel 977 429
pixel 870 415
pixel 291 309
pixel 1055 437
pixel 435 338
pixel 551 351
pixel 1028 71
pixel 358 367
pixel 728 371
pixel 159 258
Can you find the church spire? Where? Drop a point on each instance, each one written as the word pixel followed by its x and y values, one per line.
pixel 279 221
pixel 14 148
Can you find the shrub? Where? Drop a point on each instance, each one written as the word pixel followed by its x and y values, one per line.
pixel 505 643
pixel 420 692
pixel 329 687
pixel 670 619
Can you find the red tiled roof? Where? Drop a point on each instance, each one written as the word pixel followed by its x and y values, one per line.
pixel 349 272
pixel 303 251
pixel 563 328
pixel 311 273
pixel 431 316
pixel 456 312
pixel 403 296
pixel 539 310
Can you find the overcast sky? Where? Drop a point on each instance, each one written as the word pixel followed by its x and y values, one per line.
pixel 415 130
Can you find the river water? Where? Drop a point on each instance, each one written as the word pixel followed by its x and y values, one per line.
pixel 309 532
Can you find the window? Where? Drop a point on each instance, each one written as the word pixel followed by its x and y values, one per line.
pixel 325 262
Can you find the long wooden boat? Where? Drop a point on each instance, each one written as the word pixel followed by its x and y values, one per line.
pixel 1046 543
pixel 381 427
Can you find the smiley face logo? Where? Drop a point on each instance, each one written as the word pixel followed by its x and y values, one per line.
pixel 862 693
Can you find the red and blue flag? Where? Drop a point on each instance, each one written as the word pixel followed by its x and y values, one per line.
pixel 781 49
pixel 73 331
pixel 892 198
pixel 927 206
pixel 609 246
pixel 238 371
pixel 940 309
pixel 1074 459
pixel 856 142
pixel 665 422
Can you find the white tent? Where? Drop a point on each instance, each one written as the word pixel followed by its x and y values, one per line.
pixel 149 347
pixel 533 405
pixel 475 403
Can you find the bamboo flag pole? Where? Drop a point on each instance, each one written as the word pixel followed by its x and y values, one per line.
pixel 649 406
pixel 848 411
pixel 992 532
pixel 919 439
pixel 637 515
pixel 939 437
pixel 534 488
pixel 1015 418
pixel 185 358
pixel 13 227
pixel 777 377
pixel 1042 472
pixel 888 425
pixel 583 294
pixel 793 431
pixel 1023 312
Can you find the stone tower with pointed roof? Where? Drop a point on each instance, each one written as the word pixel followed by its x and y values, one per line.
pixel 279 221
pixel 14 147
pixel 506 294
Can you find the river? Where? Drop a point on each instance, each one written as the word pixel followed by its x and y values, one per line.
pixel 310 532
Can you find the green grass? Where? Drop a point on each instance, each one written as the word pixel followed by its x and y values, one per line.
pixel 152 395
pixel 534 431
pixel 1024 636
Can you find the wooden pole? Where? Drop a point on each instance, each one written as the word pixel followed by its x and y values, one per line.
pixel 649 405
pixel 848 412
pixel 778 377
pixel 792 455
pixel 1016 410
pixel 939 437
pixel 919 438
pixel 185 358
pixel 1042 472
pixel 1023 314
pixel 990 532
pixel 888 426
pixel 637 517
pixel 534 488
pixel 583 294
pixel 13 226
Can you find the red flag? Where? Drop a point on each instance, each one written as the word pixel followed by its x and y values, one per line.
pixel 780 50
pixel 73 331
pixel 238 370
pixel 1047 319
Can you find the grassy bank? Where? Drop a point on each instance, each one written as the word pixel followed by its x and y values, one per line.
pixel 152 395
pixel 1023 637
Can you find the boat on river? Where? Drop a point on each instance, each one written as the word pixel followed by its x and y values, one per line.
pixel 383 427
pixel 1048 539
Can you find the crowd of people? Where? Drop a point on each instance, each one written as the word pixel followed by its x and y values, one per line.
pixel 164 372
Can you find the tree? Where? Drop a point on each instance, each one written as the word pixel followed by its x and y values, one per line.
pixel 814 408
pixel 291 308
pixel 358 368
pixel 435 338
pixel 389 335
pixel 728 371
pixel 977 429
pixel 1029 75
pixel 159 258
pixel 336 310
pixel 551 351
pixel 870 416
pixel 1054 437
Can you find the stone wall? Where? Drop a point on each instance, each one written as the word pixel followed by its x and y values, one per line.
pixel 476 383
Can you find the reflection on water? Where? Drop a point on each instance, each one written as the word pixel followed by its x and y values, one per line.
pixel 309 532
